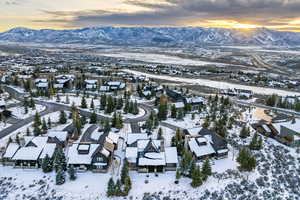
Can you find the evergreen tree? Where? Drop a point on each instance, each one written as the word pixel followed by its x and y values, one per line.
pixel 110 188
pixel 127 185
pixel 110 105
pixel 256 142
pixel 159 134
pixel 103 102
pixel 206 169
pixel 246 160
pixel 118 189
pixel 180 115
pixel 36 130
pixel 107 126
pixel 186 162
pixel 83 102
pixel 92 106
pixel 124 172
pixel 49 123
pixel 67 99
pixel 60 177
pixel 32 103
pixel 135 110
pixel 72 173
pixel 93 118
pixel 196 178
pixel 173 111
pixel 44 126
pixel 37 119
pixel 62 117
pixel 28 132
pixel 162 111
pixel 47 164
pixel 245 132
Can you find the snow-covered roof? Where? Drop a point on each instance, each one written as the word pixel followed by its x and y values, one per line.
pixel 75 158
pixel 55 86
pixel 113 83
pixel 91 86
pixel 62 81
pixel 194 131
pixel 49 150
pixel 60 135
pixel 266 128
pixel 133 137
pixel 83 147
pixel 92 82
pixel 131 154
pixel 178 105
pixel 104 88
pixel 171 155
pixel 41 80
pixel 141 144
pixel 194 100
pixel 28 153
pixel 42 85
pixel 201 150
pixel 11 150
pixel 292 126
pixel 105 152
pixel 114 137
pixel 152 159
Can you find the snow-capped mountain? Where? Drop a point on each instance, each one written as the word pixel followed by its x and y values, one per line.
pixel 154 36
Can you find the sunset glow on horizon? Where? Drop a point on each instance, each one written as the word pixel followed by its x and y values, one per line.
pixel 70 14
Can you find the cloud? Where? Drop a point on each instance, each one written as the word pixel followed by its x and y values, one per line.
pixel 182 12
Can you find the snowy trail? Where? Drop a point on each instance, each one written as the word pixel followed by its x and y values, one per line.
pixel 216 84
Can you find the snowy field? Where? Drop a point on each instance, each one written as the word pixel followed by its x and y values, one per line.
pixel 160 58
pixel 216 84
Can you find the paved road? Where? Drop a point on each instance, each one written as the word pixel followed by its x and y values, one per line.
pixel 86 137
pixel 24 122
pixel 281 110
pixel 53 107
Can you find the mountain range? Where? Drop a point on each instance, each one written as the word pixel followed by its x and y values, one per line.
pixel 160 36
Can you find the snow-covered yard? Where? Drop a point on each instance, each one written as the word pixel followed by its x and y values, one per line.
pixel 19 111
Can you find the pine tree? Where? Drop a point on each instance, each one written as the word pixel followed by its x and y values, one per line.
pixel 127 185
pixel 31 103
pixel 72 173
pixel 49 123
pixel 245 132
pixel 162 111
pixel 92 106
pixel 246 160
pixel 36 130
pixel 124 172
pixel 196 178
pixel 110 188
pixel 135 110
pixel 47 164
pixel 180 115
pixel 28 132
pixel 44 126
pixel 93 118
pixel 173 111
pixel 206 169
pixel 60 177
pixel 187 160
pixel 83 102
pixel 37 119
pixel 103 102
pixel 107 126
pixel 118 189
pixel 62 117
pixel 160 134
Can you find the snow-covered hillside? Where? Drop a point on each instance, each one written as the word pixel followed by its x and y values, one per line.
pixel 183 36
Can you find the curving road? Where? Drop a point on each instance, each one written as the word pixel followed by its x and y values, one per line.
pixel 54 107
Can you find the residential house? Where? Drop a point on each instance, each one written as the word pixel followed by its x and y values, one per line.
pixel 10 151
pixel 28 155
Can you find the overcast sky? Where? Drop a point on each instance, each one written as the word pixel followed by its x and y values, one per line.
pixel 65 14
